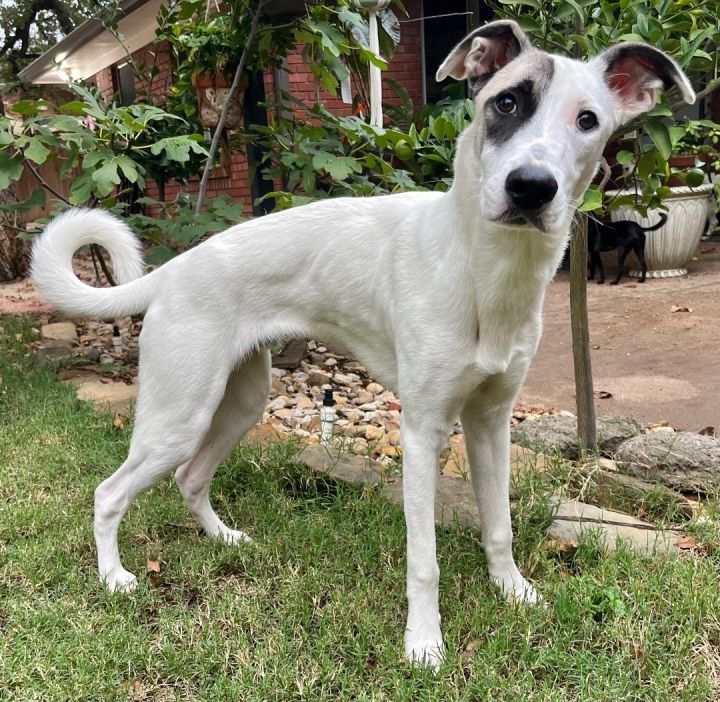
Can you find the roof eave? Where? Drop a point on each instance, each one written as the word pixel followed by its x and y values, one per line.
pixel 83 33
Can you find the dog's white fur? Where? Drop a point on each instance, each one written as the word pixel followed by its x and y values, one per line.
pixel 440 302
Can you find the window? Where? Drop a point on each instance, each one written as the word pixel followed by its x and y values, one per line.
pixel 442 33
pixel 124 83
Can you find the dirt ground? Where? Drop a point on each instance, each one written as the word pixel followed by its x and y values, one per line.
pixel 657 364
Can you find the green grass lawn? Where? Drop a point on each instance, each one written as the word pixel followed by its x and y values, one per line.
pixel 314 609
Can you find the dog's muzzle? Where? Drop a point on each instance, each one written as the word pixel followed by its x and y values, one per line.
pixel 529 190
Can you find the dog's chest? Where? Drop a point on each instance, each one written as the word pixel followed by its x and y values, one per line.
pixel 501 338
pixel 507 315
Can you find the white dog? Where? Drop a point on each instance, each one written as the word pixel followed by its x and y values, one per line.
pixel 438 294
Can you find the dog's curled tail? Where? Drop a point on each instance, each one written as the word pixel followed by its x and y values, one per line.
pixel 52 270
pixel 663 219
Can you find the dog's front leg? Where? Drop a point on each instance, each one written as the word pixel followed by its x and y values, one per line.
pixel 421 451
pixel 487 435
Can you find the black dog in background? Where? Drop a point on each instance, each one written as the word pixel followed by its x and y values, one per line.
pixel 624 236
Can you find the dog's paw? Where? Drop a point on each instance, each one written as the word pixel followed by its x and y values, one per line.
pixel 600 282
pixel 424 650
pixel 233 536
pixel 119 580
pixel 515 588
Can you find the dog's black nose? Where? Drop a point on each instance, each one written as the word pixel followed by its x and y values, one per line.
pixel 530 188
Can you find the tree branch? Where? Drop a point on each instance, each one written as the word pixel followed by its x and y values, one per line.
pixel 44 183
pixel 94 248
pixel 21 33
pixel 226 106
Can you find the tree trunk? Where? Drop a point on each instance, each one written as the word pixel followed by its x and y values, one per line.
pixel 581 335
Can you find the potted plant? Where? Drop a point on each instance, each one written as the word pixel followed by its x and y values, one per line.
pixel 205 54
pixel 677 184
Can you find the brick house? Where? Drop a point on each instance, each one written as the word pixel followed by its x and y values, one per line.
pixel 93 54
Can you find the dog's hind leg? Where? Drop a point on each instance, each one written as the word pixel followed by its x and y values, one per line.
pixel 174 412
pixel 623 251
pixel 597 259
pixel 241 407
pixel 640 253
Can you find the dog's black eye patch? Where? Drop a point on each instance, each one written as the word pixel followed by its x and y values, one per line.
pixel 507 111
pixel 587 120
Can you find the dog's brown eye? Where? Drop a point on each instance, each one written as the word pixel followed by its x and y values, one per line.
pixel 506 104
pixel 587 120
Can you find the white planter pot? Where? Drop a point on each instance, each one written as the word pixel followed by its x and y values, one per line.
pixel 668 249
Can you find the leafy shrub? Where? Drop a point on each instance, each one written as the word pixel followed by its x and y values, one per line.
pixel 331 156
pixel 103 148
pixel 177 227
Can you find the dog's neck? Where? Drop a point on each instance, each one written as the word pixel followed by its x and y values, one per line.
pixel 507 269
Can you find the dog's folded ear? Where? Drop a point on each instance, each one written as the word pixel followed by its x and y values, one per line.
pixel 484 51
pixel 635 72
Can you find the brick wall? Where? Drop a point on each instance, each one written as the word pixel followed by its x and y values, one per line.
pixel 232 179
pixel 405 67
pixel 104 83
pixel 154 56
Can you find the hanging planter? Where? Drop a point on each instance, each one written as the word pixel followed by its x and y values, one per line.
pixel 212 91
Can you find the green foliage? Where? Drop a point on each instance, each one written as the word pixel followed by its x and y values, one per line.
pixel 31 27
pixel 688 30
pixel 330 156
pixel 176 227
pixel 104 148
pixel 335 42
pixel 334 38
pixel 698 136
pixel 213 45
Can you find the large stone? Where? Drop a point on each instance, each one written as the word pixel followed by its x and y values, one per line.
pixel 115 397
pixel 263 435
pixel 521 459
pixel 53 351
pixel 318 378
pixel 457 464
pixel 59 331
pixel 291 355
pixel 558 432
pixel 683 460
pixel 615 490
pixel 340 465
pixel 574 519
pixel 455 501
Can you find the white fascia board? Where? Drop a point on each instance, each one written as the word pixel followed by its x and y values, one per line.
pixel 87 55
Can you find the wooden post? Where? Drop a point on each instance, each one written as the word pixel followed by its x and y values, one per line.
pixel 581 335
